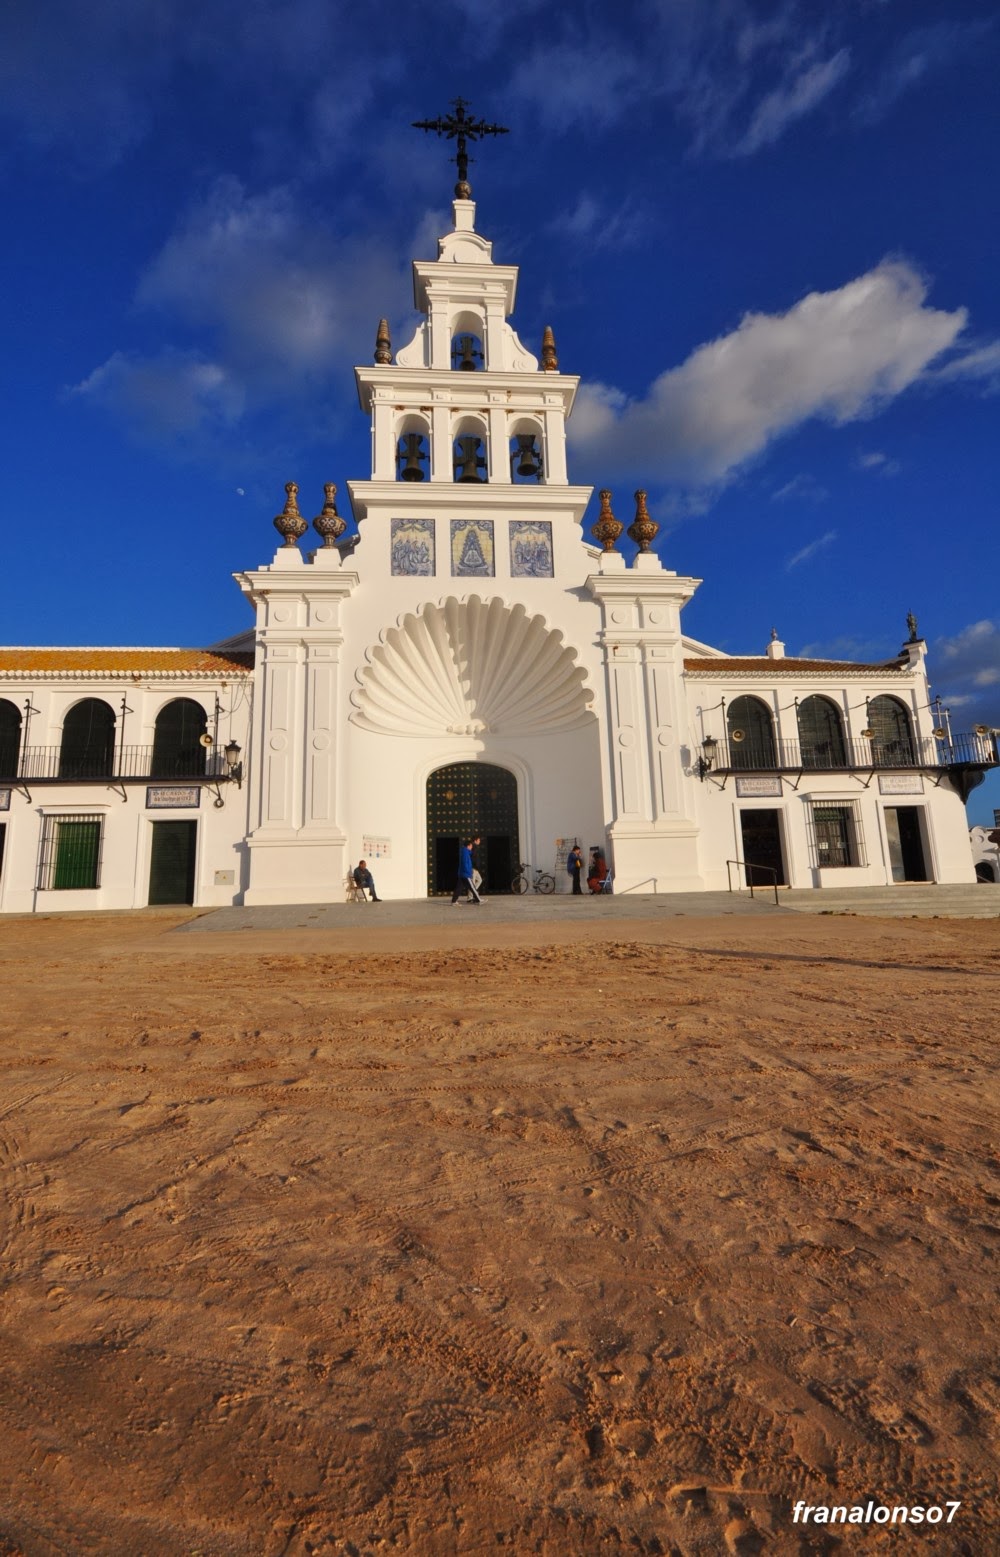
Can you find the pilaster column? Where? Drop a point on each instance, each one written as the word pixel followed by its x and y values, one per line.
pixel 555 440
pixel 442 457
pixel 654 830
pixel 297 846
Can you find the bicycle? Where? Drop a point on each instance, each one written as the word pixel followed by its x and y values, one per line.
pixel 543 882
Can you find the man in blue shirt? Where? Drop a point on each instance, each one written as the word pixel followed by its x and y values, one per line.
pixel 464 880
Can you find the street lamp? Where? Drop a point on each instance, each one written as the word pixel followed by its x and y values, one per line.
pixel 706 762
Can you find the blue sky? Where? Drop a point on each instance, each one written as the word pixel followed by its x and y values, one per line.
pixel 766 236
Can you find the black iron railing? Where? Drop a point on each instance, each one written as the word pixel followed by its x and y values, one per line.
pixel 123 764
pixel 972 750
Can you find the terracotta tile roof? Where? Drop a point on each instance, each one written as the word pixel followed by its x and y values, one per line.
pixel 123 661
pixel 761 665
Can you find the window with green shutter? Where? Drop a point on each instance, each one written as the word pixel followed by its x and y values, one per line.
pixel 71 853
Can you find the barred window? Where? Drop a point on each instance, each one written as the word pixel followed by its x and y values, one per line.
pixel 71 853
pixel 835 835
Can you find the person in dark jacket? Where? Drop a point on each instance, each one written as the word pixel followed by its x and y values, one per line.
pixel 464 880
pixel 363 878
pixel 575 867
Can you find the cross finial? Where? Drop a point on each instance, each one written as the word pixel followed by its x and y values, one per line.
pixel 459 127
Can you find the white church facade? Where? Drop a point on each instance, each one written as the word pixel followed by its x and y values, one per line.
pixel 467 662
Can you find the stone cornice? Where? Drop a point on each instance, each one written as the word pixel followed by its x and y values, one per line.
pixel 453 499
pixel 405 382
pixel 770 676
pixel 129 677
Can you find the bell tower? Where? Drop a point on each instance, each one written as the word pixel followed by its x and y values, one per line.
pixel 464 402
pixel 466 420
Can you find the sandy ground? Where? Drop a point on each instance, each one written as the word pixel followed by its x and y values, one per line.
pixel 531 1240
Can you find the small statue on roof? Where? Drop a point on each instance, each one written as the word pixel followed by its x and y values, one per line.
pixel 911 623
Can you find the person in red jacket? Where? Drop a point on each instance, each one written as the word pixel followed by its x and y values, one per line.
pixel 598 872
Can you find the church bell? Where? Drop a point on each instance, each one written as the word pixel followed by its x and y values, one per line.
pixel 468 462
pixel 409 457
pixel 465 351
pixel 529 462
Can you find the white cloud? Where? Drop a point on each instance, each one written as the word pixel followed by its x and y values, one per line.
pixel 980 362
pixel 792 101
pixel 837 355
pixel 972 656
pixel 875 460
pixel 913 57
pixel 279 306
pixel 811 550
pixel 803 487
pixel 580 82
pixel 599 224
pixel 965 670
pixel 171 395
pixel 280 291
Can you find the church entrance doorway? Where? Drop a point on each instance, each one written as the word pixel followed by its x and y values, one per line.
pixel 171 862
pixel 906 849
pixel 762 848
pixel 464 800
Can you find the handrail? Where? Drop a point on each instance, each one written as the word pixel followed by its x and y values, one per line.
pixel 118 764
pixel 748 868
pixel 845 756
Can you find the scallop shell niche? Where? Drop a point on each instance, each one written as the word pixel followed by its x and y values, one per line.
pixel 471 667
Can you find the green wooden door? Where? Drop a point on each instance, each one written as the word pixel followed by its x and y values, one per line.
pixel 171 865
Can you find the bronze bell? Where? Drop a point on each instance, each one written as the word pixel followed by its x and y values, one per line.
pixel 409 456
pixel 468 463
pixel 529 461
pixel 465 348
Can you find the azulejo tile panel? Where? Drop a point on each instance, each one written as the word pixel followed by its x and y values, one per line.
pixel 530 548
pixel 472 548
pixel 413 547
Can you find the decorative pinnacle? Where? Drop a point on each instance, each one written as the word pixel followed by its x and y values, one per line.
pixel 290 522
pixel 911 623
pixel 643 530
pixel 550 362
pixel 774 635
pixel 329 524
pixel 383 344
pixel 608 528
pixel 458 128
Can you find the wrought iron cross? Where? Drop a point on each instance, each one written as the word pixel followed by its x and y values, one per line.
pixel 459 127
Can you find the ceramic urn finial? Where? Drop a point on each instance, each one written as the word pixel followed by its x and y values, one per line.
pixel 643 529
pixel 608 528
pixel 290 523
pixel 328 523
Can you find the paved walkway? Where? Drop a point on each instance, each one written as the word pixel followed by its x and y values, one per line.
pixel 902 902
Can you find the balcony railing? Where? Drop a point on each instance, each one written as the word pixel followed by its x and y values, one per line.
pixel 123 764
pixel 972 750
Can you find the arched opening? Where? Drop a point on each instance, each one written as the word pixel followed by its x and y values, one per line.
pixel 10 738
pixel 467 353
pixel 525 448
pixel 821 734
pixel 470 452
pixel 985 871
pixel 412 449
pixel 87 749
pixel 469 800
pixel 177 748
pixel 751 733
pixel 892 733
